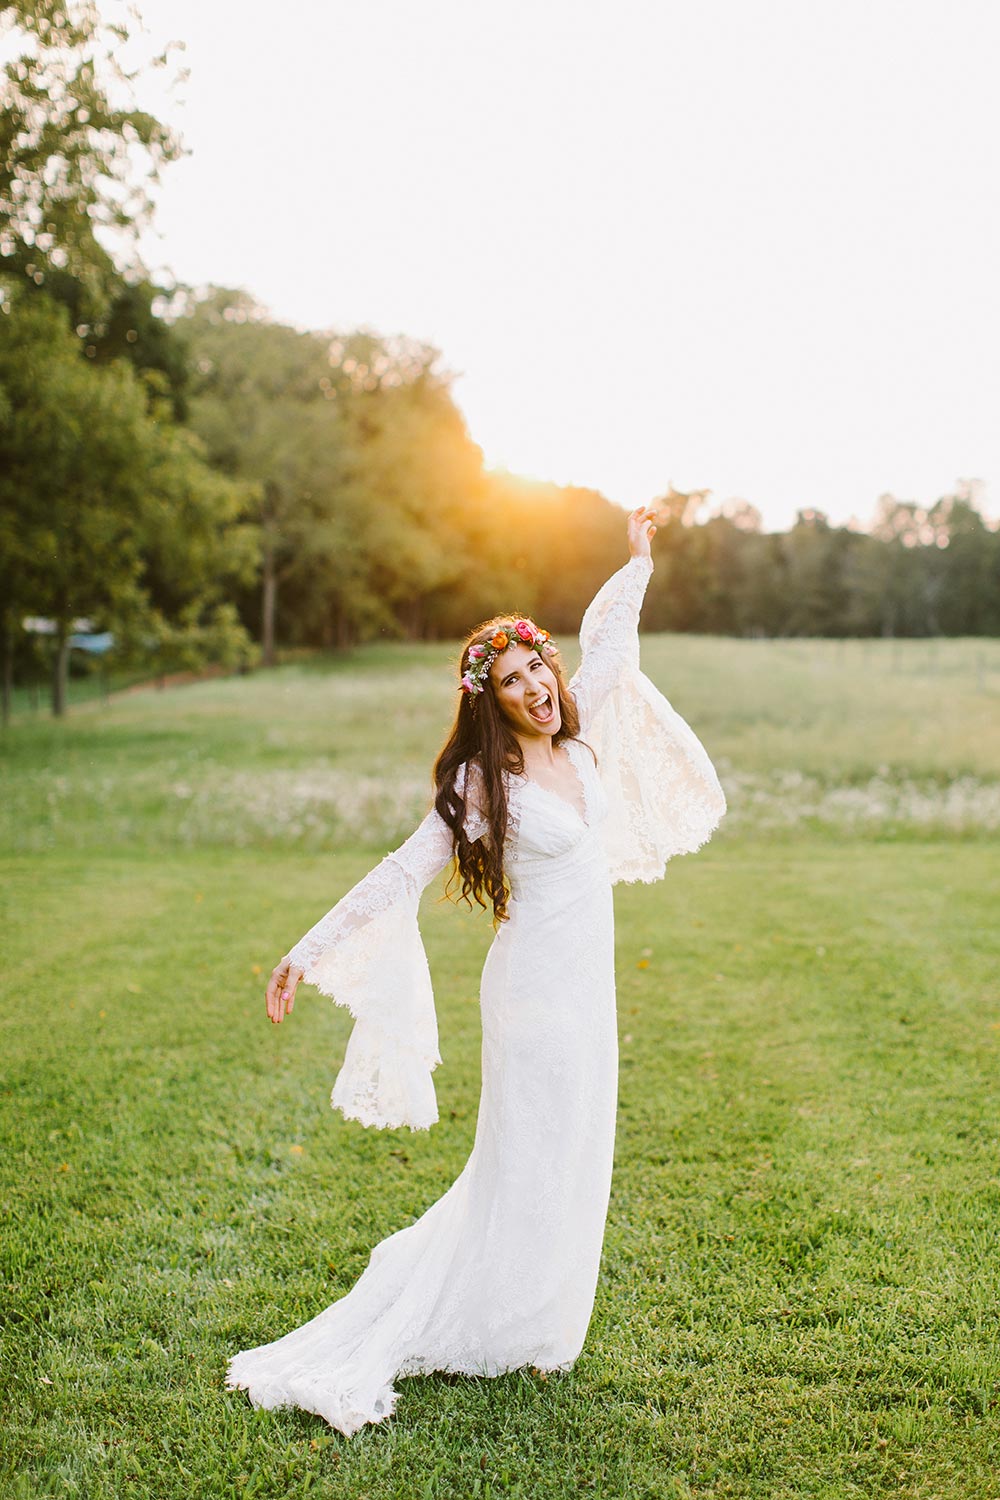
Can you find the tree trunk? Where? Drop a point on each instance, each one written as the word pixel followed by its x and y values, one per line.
pixel 6 691
pixel 342 629
pixel 268 605
pixel 413 619
pixel 60 671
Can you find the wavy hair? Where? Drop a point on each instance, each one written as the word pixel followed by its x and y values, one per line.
pixel 482 740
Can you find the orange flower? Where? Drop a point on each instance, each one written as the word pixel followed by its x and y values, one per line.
pixel 499 640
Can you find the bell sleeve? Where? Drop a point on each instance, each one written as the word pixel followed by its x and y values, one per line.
pixel 367 955
pixel 664 797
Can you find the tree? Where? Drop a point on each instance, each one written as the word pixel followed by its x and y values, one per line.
pixel 812 551
pixel 76 164
pixel 111 512
pixel 76 170
pixel 264 403
pixel 415 476
pixel 363 473
pixel 910 589
pixel 527 545
pixel 965 565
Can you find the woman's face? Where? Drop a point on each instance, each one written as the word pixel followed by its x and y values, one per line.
pixel 527 691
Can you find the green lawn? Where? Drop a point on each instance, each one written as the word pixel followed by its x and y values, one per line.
pixel 800 1282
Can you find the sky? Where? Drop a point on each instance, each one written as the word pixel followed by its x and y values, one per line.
pixel 730 245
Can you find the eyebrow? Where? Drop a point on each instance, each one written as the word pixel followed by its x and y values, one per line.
pixel 514 673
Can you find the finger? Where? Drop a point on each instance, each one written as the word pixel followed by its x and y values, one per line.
pixel 286 996
pixel 271 995
pixel 278 976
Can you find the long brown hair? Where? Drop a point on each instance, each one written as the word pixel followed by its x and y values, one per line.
pixel 483 741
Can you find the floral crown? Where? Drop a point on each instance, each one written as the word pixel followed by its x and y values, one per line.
pixel 508 633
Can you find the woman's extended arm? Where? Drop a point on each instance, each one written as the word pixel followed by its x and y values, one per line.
pixel 366 953
pixel 398 879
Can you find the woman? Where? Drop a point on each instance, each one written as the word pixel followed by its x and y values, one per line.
pixel 546 795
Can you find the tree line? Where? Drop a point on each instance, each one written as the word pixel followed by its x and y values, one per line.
pixel 210 485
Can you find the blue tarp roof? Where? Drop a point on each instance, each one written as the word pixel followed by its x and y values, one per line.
pixel 96 643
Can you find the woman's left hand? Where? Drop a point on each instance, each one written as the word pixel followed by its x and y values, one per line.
pixel 641 528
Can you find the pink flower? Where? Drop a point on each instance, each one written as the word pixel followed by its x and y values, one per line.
pixel 524 630
pixel 475 652
pixel 468 686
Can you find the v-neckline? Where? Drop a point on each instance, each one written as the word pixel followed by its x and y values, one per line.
pixel 530 780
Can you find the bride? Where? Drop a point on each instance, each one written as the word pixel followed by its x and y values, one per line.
pixel 547 794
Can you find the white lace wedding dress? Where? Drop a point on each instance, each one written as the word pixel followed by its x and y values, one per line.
pixel 501 1271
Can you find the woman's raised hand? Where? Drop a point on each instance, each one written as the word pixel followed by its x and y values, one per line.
pixel 281 990
pixel 641 527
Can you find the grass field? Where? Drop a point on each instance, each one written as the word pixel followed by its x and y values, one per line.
pixel 800 1282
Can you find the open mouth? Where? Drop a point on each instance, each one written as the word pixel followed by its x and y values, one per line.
pixel 542 711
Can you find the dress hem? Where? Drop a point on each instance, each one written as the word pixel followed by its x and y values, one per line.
pixel 349 1413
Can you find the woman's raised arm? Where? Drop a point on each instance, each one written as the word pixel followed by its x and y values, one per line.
pixel 664 797
pixel 609 639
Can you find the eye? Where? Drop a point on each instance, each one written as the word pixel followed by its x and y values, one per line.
pixel 535 662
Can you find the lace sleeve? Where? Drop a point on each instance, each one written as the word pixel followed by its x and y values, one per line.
pixel 399 879
pixel 366 953
pixel 609 639
pixel 664 797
